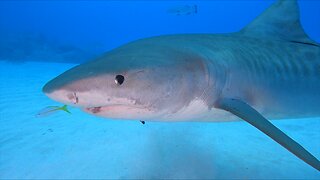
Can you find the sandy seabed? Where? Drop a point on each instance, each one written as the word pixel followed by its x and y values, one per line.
pixel 83 146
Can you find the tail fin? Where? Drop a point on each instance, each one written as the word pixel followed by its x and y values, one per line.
pixel 65 108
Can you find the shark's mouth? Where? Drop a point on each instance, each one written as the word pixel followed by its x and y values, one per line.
pixel 122 112
pixel 116 108
pixel 93 110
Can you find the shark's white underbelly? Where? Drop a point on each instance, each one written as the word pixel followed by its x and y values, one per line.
pixel 198 110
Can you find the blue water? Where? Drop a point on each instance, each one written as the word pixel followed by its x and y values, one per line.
pixel 41 39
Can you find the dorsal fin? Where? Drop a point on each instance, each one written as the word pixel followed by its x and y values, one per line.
pixel 281 20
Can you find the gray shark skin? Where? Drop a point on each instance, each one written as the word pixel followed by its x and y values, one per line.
pixel 270 69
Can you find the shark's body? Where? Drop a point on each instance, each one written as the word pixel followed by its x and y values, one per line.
pixel 278 77
pixel 270 69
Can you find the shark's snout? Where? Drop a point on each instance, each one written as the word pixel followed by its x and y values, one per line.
pixel 47 88
pixel 59 93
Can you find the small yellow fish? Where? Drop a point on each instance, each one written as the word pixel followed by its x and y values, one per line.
pixel 52 109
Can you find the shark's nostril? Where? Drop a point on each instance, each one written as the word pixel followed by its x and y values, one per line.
pixel 77 99
pixel 73 97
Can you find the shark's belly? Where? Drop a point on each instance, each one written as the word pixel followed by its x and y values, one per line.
pixel 198 110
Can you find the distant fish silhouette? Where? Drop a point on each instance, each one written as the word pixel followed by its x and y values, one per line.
pixel 51 109
pixel 183 10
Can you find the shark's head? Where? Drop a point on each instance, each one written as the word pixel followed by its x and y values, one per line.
pixel 140 80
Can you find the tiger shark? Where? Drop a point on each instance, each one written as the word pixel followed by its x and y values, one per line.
pixel 268 70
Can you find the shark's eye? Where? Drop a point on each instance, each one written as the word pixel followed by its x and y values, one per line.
pixel 119 79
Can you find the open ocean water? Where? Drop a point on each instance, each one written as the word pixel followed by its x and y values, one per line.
pixel 41 39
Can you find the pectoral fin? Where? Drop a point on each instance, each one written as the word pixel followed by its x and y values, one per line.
pixel 249 114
